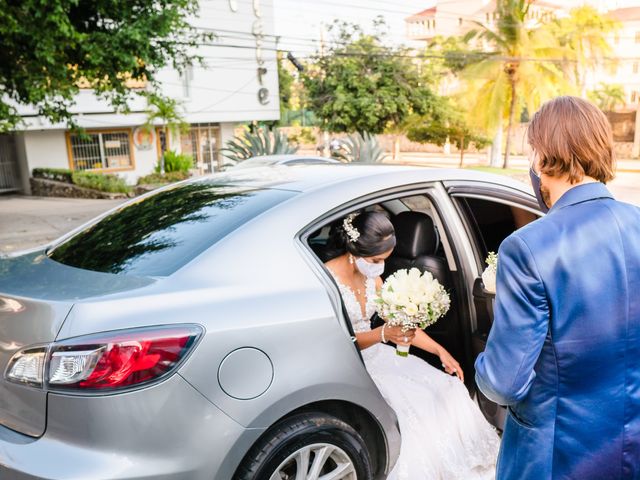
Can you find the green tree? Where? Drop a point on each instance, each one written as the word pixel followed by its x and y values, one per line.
pixel 362 85
pixel 285 83
pixel 608 96
pixel 50 49
pixel 449 125
pixel 167 112
pixel 518 71
pixel 585 33
pixel 446 57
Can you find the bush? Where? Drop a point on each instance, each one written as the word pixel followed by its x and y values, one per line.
pixel 57 174
pixel 158 179
pixel 359 148
pixel 100 181
pixel 262 142
pixel 176 162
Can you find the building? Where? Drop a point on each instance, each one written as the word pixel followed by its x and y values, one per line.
pixel 238 83
pixel 625 70
pixel 456 17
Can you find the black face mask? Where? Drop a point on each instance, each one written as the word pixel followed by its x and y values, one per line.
pixel 535 181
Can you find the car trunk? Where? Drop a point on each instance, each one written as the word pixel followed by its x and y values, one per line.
pixel 36 295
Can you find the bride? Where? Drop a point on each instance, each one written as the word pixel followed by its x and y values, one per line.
pixel 444 435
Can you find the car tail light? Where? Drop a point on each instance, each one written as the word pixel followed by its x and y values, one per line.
pixel 27 366
pixel 118 359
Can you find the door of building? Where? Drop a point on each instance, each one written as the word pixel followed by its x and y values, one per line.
pixel 9 173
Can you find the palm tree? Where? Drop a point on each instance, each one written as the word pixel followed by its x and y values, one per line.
pixel 167 111
pixel 518 71
pixel 608 96
pixel 585 33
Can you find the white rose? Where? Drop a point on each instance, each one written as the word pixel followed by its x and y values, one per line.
pixel 411 309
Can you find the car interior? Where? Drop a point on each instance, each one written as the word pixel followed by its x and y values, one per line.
pixel 422 244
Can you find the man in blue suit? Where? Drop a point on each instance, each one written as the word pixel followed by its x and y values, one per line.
pixel 564 349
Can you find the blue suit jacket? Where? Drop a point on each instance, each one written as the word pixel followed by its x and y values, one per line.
pixel 564 349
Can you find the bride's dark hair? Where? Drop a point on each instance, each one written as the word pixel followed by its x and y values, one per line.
pixel 376 236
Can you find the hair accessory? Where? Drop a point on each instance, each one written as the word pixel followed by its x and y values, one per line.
pixel 352 232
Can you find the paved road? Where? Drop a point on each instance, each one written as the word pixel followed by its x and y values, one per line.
pixel 26 222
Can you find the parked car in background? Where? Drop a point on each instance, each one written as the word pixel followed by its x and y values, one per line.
pixel 289 159
pixel 194 332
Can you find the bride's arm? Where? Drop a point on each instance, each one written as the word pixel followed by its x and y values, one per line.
pixel 425 342
pixel 391 334
pixel 368 339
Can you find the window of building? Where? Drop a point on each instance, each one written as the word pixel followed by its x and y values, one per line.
pixel 459 21
pixel 638 37
pixel 633 97
pixel 202 143
pixel 100 150
pixel 635 67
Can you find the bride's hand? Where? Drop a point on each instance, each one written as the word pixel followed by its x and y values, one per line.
pixel 450 365
pixel 397 336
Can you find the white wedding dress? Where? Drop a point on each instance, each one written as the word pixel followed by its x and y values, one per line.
pixel 444 435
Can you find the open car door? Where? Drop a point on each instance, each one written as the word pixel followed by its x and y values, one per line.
pixel 490 213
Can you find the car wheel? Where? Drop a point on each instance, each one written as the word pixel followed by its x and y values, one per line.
pixel 306 447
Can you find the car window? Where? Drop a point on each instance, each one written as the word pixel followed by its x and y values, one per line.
pixel 160 233
pixel 491 222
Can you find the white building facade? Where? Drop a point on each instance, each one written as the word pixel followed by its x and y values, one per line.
pixel 238 82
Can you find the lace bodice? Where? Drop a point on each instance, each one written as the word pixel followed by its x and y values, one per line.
pixel 360 322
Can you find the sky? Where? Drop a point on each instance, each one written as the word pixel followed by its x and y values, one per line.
pixel 298 22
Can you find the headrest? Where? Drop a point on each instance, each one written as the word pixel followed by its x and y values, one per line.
pixel 416 235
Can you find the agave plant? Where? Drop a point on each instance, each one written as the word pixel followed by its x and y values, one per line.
pixel 359 148
pixel 262 142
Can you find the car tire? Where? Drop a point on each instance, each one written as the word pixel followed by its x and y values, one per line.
pixel 304 438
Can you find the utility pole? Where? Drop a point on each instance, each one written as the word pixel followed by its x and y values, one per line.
pixel 635 151
pixel 325 134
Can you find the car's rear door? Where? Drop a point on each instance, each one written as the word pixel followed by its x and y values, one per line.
pixel 490 213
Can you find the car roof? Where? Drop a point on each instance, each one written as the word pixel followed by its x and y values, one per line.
pixel 306 178
pixel 285 158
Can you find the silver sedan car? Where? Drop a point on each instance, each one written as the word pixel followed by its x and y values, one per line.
pixel 194 333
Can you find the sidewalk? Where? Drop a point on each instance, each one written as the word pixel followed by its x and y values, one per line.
pixel 27 221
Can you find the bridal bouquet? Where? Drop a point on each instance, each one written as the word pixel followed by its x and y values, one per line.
pixel 489 274
pixel 411 299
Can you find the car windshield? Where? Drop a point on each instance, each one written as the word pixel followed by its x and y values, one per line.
pixel 160 233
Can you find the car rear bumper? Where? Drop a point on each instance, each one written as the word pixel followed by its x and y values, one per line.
pixel 168 431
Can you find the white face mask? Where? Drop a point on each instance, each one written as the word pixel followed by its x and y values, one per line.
pixel 368 269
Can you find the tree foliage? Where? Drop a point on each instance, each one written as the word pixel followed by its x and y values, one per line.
pixel 520 70
pixel 585 34
pixel 360 84
pixel 608 96
pixel 51 49
pixel 450 125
